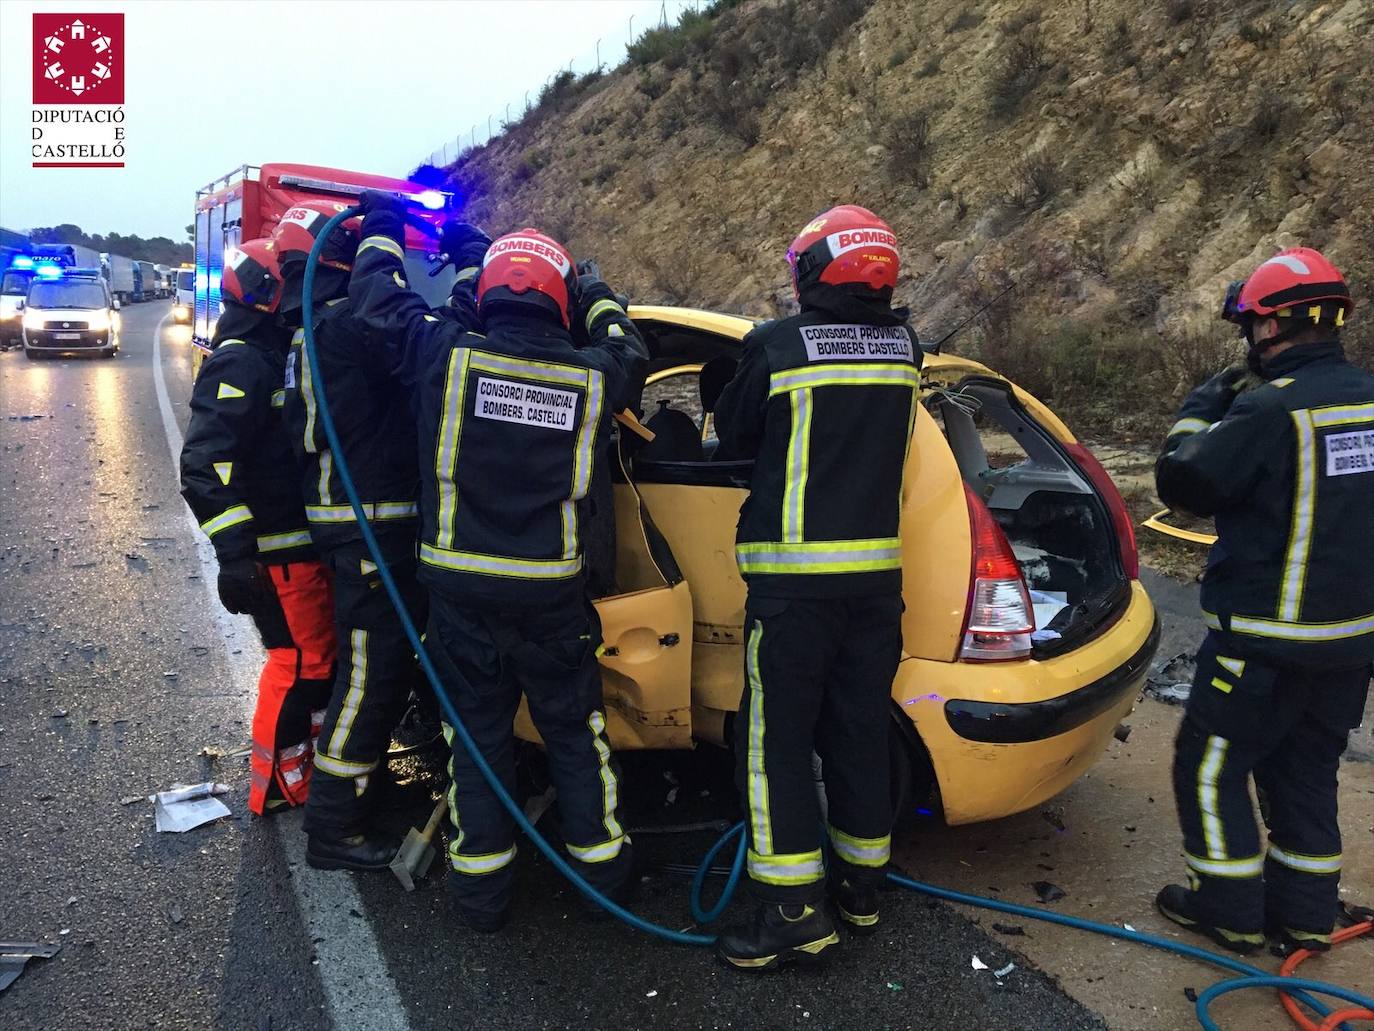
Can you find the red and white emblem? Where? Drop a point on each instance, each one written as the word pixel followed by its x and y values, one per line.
pixel 78 58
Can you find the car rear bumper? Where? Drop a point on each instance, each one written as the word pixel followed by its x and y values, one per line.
pixel 1019 722
pixel 1004 737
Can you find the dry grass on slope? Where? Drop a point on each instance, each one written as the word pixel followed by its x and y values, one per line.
pixel 1119 161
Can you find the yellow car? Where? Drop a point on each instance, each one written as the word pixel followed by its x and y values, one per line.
pixel 1027 633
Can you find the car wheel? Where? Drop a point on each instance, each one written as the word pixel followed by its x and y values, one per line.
pixel 109 352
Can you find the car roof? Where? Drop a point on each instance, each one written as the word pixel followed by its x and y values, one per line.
pixel 737 326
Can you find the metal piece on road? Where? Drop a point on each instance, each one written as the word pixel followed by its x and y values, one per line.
pixel 417 850
pixel 14 956
pixel 353 973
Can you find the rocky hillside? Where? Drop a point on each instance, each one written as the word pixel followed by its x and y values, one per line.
pixel 1118 161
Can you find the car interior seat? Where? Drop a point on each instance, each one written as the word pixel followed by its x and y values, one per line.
pixel 676 437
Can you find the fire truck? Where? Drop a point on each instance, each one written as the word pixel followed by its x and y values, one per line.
pixel 247 203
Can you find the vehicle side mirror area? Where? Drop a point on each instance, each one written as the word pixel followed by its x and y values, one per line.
pixel 115 304
pixel 19 305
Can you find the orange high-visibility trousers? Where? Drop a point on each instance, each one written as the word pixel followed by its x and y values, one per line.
pixel 294 688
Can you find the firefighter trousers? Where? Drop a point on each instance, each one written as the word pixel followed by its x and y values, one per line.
pixel 1288 729
pixel 376 671
pixel 817 679
pixel 298 634
pixel 487 658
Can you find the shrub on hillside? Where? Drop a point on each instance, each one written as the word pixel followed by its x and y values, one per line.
pixel 673 44
pixel 1020 65
pixel 1035 178
pixel 734 105
pixel 966 20
pixel 907 138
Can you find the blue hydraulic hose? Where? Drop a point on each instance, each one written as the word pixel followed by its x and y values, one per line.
pixel 710 916
pixel 1253 977
pixel 1110 931
pixel 1286 984
pixel 346 478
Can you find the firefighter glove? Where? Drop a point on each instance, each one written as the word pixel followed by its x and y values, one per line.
pixel 243 587
pixel 1213 399
pixel 464 244
pixel 373 201
pixel 592 288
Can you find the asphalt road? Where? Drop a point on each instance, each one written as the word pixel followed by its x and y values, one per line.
pixel 119 677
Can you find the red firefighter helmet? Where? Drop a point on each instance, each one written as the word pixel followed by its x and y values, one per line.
pixel 300 226
pixel 251 277
pixel 1298 282
pixel 845 245
pixel 527 267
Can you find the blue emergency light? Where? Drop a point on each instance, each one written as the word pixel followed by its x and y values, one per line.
pixel 431 199
pixel 22 261
pixel 49 271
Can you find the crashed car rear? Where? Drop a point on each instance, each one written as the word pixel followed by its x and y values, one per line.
pixel 1027 633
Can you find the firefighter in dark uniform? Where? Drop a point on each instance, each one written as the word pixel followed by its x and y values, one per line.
pixel 231 476
pixel 824 402
pixel 1286 469
pixel 376 427
pixel 509 424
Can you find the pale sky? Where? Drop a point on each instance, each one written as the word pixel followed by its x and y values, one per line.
pixel 365 85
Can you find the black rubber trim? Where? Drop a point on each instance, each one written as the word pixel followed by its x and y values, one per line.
pixel 1005 723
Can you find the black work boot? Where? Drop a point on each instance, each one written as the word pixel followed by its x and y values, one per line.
pixel 479 920
pixel 857 905
pixel 778 935
pixel 359 852
pixel 1287 940
pixel 1179 904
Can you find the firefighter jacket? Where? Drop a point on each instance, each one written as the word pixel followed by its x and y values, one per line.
pixel 824 402
pixel 236 461
pixel 509 424
pixel 1287 472
pixel 374 420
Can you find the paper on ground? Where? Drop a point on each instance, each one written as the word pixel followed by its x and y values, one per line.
pixel 183 809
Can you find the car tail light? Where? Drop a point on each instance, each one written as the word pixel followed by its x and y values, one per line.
pixel 999 622
pixel 1116 505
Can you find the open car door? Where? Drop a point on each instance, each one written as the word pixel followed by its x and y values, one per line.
pixel 646 628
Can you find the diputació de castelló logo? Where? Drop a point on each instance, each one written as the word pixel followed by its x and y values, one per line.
pixel 78 90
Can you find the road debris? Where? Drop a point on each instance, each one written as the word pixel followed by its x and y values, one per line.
pixel 1173 681
pixel 999 974
pixel 1045 891
pixel 182 809
pixel 651 995
pixel 895 986
pixel 15 955
pixel 978 964
pixel 1013 930
pixel 1122 732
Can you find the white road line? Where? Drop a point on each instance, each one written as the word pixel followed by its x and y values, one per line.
pixel 357 985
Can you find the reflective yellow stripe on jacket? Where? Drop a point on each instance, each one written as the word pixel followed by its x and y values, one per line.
pixel 497 565
pixel 376 511
pixel 231 516
pixel 819 556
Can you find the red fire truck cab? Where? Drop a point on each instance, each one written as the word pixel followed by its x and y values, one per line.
pixel 247 203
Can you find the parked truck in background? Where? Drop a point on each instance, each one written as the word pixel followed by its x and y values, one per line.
pixel 248 202
pixel 119 273
pixel 145 281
